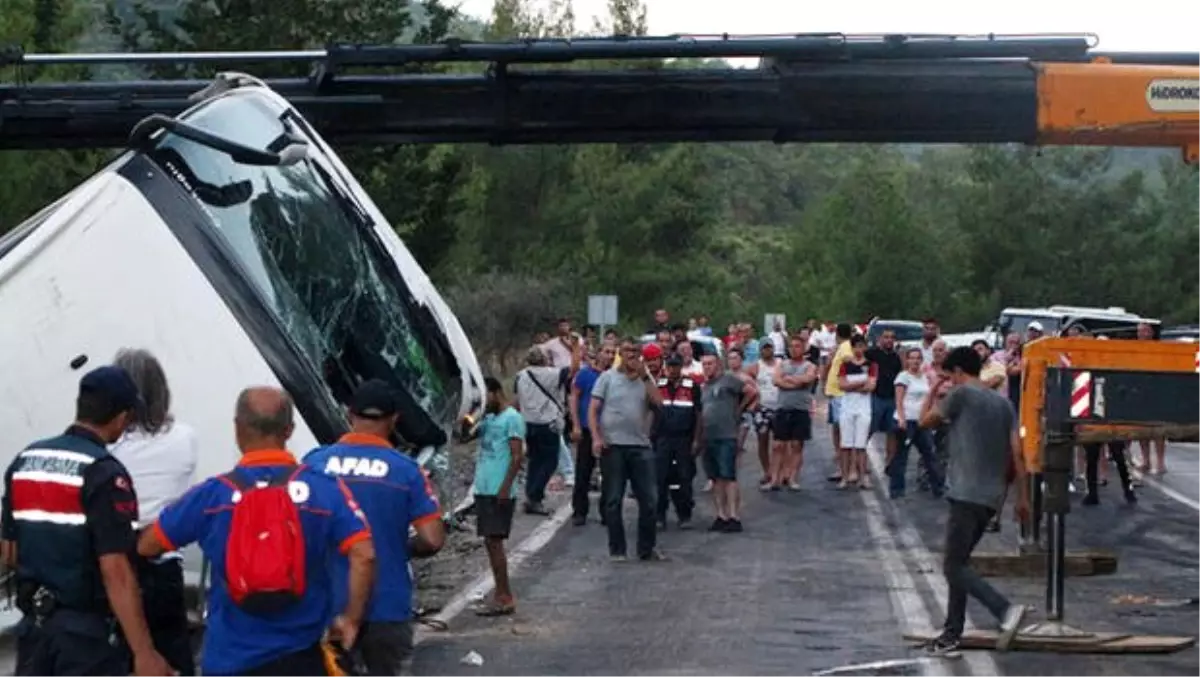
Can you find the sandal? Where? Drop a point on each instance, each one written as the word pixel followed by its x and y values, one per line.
pixel 493 609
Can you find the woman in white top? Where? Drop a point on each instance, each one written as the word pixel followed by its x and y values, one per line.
pixel 160 455
pixel 912 387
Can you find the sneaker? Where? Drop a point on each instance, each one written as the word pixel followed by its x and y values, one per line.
pixel 579 520
pixel 654 556
pixel 835 477
pixel 661 524
pixel 618 558
pixel 685 524
pixel 993 525
pixel 943 646
pixel 718 525
pixel 793 485
pixel 1130 497
pixel 1010 626
pixel 733 526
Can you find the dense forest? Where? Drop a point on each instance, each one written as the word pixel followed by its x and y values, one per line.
pixel 517 235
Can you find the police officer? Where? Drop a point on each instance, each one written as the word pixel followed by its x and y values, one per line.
pixel 68 527
pixel 676 439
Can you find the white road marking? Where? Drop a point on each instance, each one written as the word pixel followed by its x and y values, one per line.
pixel 1162 488
pixel 979 662
pixel 859 668
pixel 483 583
pixel 907 605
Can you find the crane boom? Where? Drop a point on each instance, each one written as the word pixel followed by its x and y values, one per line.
pixel 1054 90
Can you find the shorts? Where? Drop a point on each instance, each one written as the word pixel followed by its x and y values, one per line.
pixel 883 415
pixel 793 425
pixel 758 420
pixel 720 459
pixel 493 517
pixel 855 425
pixel 835 411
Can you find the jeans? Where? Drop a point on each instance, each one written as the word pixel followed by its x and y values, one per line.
pixel 913 436
pixel 585 465
pixel 542 444
pixel 635 464
pixel 675 464
pixel 963 531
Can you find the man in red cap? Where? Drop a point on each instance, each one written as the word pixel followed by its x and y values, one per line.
pixel 652 356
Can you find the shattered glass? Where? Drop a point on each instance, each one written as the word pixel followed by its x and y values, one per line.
pixel 314 261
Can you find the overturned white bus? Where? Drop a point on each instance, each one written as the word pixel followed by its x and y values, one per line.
pixel 233 244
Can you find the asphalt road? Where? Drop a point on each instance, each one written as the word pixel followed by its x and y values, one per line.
pixel 821 580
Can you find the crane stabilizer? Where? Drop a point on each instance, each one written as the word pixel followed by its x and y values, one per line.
pixel 807 88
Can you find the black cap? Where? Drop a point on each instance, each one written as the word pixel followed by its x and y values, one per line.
pixel 674 360
pixel 113 383
pixel 374 399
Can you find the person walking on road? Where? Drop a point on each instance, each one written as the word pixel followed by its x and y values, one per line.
pixel 392 490
pixel 676 442
pixel 67 525
pixel 793 378
pixel 982 431
pixel 539 390
pixel 585 462
pixel 725 397
pixel 623 400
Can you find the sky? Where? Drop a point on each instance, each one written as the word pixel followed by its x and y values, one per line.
pixel 1122 25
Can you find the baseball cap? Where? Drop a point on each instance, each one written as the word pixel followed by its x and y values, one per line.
pixel 675 360
pixel 651 351
pixel 374 399
pixel 114 383
pixel 1036 326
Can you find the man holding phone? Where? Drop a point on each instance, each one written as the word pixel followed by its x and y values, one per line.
pixel 619 415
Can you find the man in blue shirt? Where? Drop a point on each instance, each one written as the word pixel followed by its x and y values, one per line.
pixel 285 641
pixel 581 434
pixel 393 492
pixel 501 450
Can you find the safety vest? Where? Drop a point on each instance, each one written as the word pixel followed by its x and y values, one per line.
pixel 53 544
pixel 678 415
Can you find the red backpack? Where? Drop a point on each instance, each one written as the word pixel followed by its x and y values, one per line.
pixel 264 554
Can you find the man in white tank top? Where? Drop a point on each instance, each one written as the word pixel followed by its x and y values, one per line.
pixel 763 373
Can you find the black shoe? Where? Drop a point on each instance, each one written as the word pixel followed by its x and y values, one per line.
pixel 685 524
pixel 536 509
pixel 1130 497
pixel 993 526
pixel 943 646
pixel 1091 499
pixel 835 477
pixel 661 524
pixel 579 520
pixel 719 525
pixel 733 527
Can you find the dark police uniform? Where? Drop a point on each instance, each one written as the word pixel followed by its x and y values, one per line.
pixel 674 434
pixel 67 502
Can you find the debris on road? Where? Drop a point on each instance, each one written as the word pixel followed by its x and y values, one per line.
pixel 473 659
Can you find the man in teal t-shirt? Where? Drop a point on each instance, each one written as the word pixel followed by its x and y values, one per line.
pixel 501 450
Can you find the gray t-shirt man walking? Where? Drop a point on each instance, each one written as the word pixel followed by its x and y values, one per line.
pixel 981 438
pixel 619 415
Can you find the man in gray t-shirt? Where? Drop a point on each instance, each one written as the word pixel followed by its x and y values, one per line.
pixel 981 440
pixel 724 397
pixel 623 400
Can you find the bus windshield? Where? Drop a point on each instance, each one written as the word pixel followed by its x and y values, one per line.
pixel 314 260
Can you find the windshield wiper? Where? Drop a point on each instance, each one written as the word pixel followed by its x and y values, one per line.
pixel 291 150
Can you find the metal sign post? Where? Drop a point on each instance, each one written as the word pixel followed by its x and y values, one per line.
pixel 769 321
pixel 602 311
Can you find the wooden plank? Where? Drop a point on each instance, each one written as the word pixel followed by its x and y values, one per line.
pixel 1098 643
pixel 1033 564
